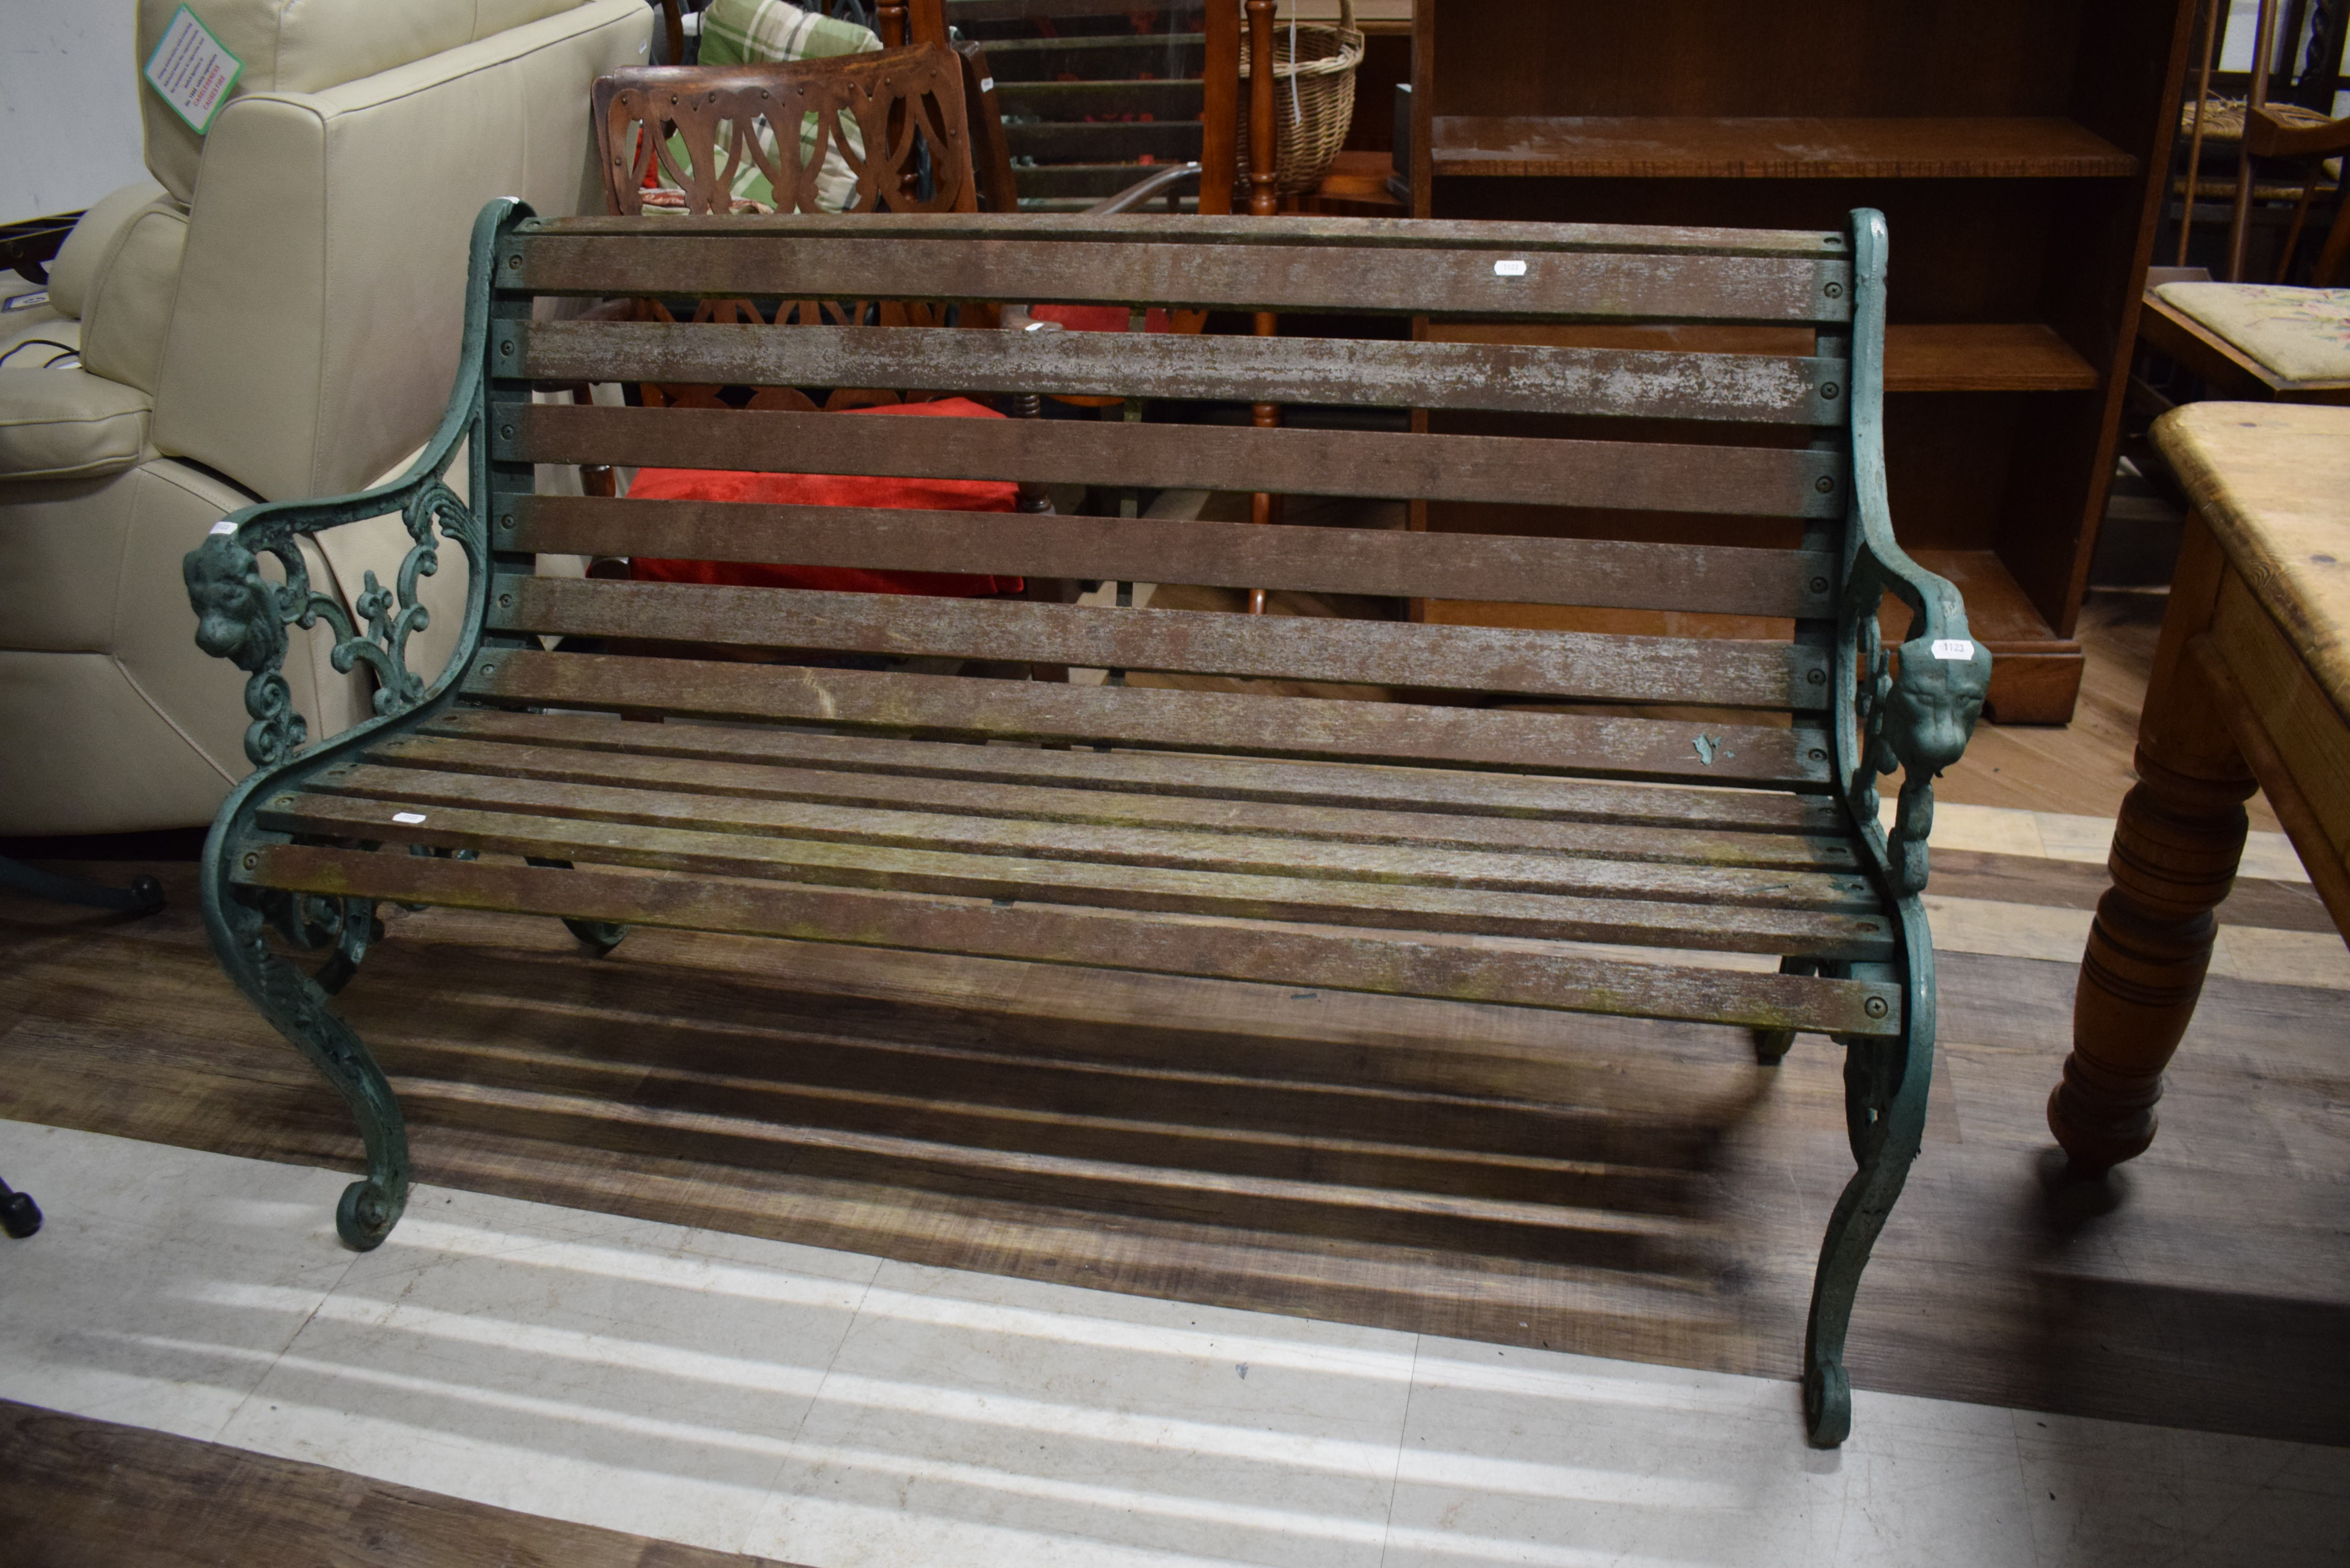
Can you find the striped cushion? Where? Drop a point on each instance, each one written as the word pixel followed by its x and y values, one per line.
pixel 766 32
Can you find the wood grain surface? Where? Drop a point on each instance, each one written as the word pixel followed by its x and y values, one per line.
pixel 79 1493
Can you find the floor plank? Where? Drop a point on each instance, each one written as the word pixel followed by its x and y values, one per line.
pixel 78 1493
pixel 1638 1190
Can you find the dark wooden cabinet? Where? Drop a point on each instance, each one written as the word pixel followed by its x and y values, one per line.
pixel 2017 149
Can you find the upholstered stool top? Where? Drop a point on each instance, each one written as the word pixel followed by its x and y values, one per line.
pixel 2299 333
pixel 2273 480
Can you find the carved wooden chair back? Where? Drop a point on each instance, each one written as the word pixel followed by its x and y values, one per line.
pixel 697 133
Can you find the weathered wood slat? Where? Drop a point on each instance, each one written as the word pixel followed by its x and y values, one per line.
pixel 516 756
pixel 1137 716
pixel 1349 371
pixel 866 260
pixel 1712 671
pixel 1323 233
pixel 1340 961
pixel 1651 476
pixel 1605 573
pixel 1100 845
pixel 1389 906
pixel 1240 782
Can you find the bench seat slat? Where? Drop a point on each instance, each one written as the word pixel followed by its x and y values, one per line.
pixel 1046 803
pixel 1383 964
pixel 1180 776
pixel 1102 844
pixel 1246 724
pixel 1603 573
pixel 1713 927
pixel 1355 372
pixel 1716 671
pixel 866 260
pixel 1650 476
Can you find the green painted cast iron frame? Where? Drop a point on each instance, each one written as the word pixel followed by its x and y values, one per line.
pixel 1915 715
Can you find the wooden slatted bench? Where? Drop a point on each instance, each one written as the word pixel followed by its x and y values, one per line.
pixel 1539 790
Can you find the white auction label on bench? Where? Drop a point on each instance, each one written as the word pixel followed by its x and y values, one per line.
pixel 193 71
pixel 1509 269
pixel 410 817
pixel 1957 647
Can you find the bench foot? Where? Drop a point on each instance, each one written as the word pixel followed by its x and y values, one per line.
pixel 601 935
pixel 1884 1115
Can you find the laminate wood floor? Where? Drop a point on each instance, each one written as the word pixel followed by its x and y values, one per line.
pixel 79 1493
pixel 1631 1191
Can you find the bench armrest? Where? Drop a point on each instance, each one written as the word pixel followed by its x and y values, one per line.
pixel 242 615
pixel 1916 716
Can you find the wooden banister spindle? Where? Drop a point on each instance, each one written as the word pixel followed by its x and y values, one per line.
pixel 1264 201
pixel 890 19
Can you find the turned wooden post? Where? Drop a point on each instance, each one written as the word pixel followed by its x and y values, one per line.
pixel 2177 845
pixel 1264 151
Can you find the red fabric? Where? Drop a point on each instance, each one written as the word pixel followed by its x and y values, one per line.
pixel 1098 318
pixel 833 490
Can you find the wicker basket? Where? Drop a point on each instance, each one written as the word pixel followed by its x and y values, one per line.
pixel 1312 100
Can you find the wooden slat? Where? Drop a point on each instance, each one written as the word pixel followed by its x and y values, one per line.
pixel 1713 671
pixel 1350 961
pixel 1168 140
pixel 1183 720
pixel 536 752
pixel 1768 481
pixel 1605 573
pixel 603 801
pixel 1320 232
pixel 1110 59
pixel 1715 927
pixel 1177 99
pixel 1685 812
pixel 1347 371
pixel 873 258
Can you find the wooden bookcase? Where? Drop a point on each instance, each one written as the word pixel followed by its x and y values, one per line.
pixel 2017 147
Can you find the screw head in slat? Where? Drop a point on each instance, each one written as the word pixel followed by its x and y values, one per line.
pixel 1874 1007
pixel 1834 291
pixel 1823 483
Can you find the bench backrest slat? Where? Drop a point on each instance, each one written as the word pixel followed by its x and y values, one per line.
pixel 1612 382
pixel 1713 671
pixel 1605 573
pixel 1238 722
pixel 876 256
pixel 1648 477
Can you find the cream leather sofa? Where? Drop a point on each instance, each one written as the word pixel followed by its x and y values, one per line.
pixel 276 316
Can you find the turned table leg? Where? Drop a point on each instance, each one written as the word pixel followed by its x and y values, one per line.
pixel 2176 849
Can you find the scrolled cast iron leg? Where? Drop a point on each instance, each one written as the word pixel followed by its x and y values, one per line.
pixel 1885 1113
pixel 296 1007
pixel 1772 1045
pixel 601 935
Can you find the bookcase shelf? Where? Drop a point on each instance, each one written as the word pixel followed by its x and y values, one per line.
pixel 1770 147
pixel 2016 148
